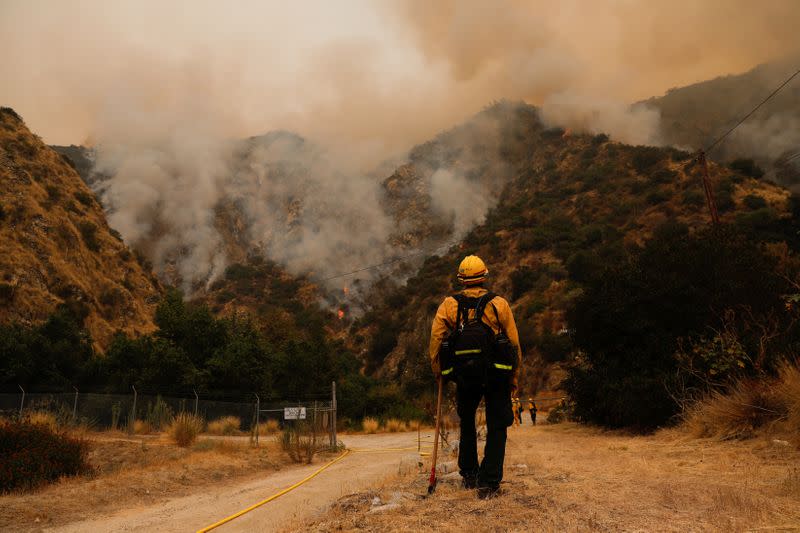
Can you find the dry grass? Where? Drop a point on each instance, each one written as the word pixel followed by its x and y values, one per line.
pixel 142 427
pixel 185 429
pixel 750 408
pixel 227 425
pixel 394 425
pixel 43 418
pixel 269 427
pixel 569 478
pixel 131 472
pixel 370 425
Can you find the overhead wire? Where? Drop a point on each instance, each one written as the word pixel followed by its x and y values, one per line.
pixel 748 115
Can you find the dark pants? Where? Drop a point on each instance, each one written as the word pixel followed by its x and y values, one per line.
pixel 533 417
pixel 499 416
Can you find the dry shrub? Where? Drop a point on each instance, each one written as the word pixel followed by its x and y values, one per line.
pixel 34 454
pixel 749 406
pixel 299 447
pixel 369 425
pixel 268 427
pixel 394 425
pixel 185 428
pixel 788 393
pixel 227 425
pixel 415 425
pixel 142 427
pixel 43 418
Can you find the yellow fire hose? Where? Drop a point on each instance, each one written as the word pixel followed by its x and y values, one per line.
pixel 288 489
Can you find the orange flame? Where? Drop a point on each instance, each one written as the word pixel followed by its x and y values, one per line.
pixel 340 313
pixel 567 133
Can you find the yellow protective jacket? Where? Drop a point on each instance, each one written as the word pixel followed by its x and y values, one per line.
pixel 445 319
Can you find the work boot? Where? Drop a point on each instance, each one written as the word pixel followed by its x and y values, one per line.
pixel 469 482
pixel 487 493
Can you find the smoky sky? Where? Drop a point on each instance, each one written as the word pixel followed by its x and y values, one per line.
pixel 164 89
pixel 375 77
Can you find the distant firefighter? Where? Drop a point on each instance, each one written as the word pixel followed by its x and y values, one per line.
pixel 532 408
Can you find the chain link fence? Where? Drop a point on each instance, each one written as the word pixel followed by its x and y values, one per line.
pixel 102 412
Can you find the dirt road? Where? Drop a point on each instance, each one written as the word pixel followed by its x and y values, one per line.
pixel 358 471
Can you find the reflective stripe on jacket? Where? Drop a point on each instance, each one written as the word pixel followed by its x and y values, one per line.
pixel 445 319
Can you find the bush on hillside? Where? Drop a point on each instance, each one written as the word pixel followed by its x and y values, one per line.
pixel 754 201
pixel 630 320
pixel 89 233
pixel 35 454
pixel 748 167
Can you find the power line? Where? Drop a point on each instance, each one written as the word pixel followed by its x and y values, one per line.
pixel 791 158
pixel 756 108
pixel 392 261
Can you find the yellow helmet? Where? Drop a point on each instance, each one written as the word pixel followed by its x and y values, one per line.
pixel 472 270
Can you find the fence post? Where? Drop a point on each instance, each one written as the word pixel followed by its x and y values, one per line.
pixel 314 428
pixel 22 402
pixel 75 405
pixel 258 412
pixel 132 418
pixel 333 413
pixel 196 398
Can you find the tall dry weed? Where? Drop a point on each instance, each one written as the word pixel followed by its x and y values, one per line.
pixel 370 425
pixel 185 428
pixel 394 425
pixel 269 426
pixel 43 418
pixel 227 425
pixel 142 427
pixel 748 407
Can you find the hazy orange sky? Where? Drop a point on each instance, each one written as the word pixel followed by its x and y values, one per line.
pixel 375 75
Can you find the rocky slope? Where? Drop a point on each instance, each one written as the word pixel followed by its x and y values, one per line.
pixel 57 246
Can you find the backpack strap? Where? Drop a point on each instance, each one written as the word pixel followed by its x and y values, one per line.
pixel 465 303
pixel 497 315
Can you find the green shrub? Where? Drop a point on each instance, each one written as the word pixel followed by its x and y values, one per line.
pixel 32 455
pixel 693 197
pixel 53 193
pixel 646 157
pixel 522 280
pixel 754 201
pixel 85 198
pixel 89 233
pixel 657 197
pixel 6 292
pixel 748 167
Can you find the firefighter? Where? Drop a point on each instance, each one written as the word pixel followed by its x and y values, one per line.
pixel 474 342
pixel 533 410
pixel 516 408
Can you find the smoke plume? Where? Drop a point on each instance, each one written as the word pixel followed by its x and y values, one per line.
pixel 163 91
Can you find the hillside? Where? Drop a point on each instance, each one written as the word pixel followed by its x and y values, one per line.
pixel 57 246
pixel 695 115
pixel 573 202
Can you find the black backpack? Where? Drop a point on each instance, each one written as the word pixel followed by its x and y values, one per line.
pixel 472 352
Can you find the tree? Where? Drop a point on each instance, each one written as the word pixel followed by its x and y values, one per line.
pixel 629 321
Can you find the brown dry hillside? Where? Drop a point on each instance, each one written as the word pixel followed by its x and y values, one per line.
pixel 57 246
pixel 567 205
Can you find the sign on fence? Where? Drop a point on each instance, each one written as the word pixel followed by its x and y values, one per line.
pixel 294 413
